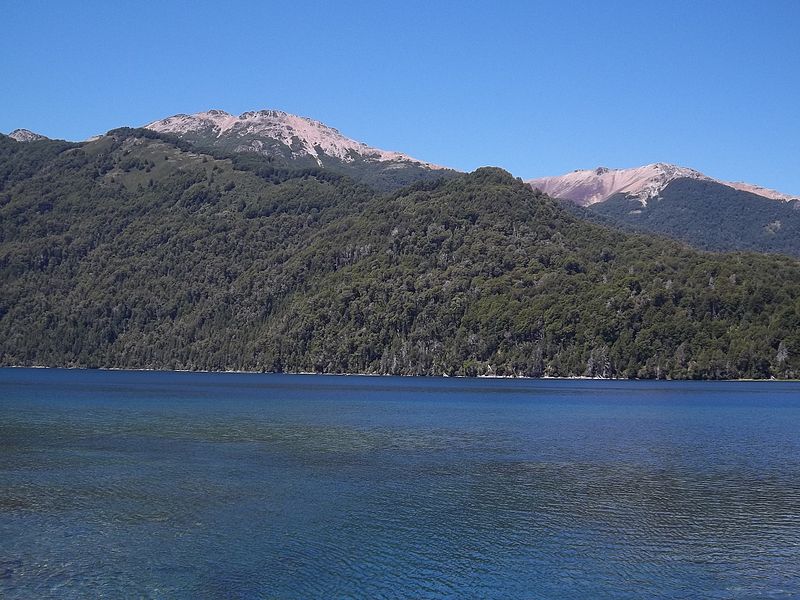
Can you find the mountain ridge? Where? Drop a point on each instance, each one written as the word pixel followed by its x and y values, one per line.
pixel 586 187
pixel 630 198
pixel 312 134
pixel 139 251
pixel 305 137
pixel 288 140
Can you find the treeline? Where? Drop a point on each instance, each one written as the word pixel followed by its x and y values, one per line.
pixel 150 254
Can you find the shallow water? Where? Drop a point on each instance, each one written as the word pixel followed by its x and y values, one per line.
pixel 179 485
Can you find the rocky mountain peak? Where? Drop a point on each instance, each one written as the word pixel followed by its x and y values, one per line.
pixel 590 186
pixel 259 131
pixel 26 135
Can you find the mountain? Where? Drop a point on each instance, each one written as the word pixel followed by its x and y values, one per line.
pixel 587 187
pixel 289 140
pixel 760 191
pixel 26 135
pixel 137 250
pixel 684 204
pixel 710 216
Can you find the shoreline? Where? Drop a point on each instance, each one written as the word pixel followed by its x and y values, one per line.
pixel 443 376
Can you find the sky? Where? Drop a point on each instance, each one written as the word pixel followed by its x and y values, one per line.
pixel 538 88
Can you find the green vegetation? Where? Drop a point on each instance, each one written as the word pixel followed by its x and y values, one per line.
pixel 139 251
pixel 711 216
pixel 261 149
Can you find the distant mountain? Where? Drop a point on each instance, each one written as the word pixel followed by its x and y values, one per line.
pixel 711 216
pixel 587 187
pixel 760 191
pixel 590 186
pixel 137 250
pixel 684 204
pixel 290 140
pixel 26 135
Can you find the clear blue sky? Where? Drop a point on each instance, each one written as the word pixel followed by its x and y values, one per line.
pixel 538 88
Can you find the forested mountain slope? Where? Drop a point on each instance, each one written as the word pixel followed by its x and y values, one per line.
pixel 136 251
pixel 684 204
pixel 287 140
pixel 711 216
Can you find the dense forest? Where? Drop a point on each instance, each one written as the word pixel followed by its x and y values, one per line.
pixel 710 216
pixel 140 251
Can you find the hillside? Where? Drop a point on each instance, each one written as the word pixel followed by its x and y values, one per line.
pixel 134 251
pixel 711 216
pixel 686 205
pixel 288 140
pixel 586 187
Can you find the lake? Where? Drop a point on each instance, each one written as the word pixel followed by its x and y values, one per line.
pixel 191 485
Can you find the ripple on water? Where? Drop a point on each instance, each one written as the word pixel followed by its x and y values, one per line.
pixel 385 497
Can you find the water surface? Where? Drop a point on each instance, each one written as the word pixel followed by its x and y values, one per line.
pixel 179 485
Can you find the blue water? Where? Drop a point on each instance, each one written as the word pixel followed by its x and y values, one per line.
pixel 179 485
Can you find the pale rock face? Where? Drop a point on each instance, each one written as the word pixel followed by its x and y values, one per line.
pixel 26 135
pixel 586 187
pixel 761 191
pixel 304 135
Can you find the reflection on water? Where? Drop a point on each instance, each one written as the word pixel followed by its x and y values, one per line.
pixel 194 485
